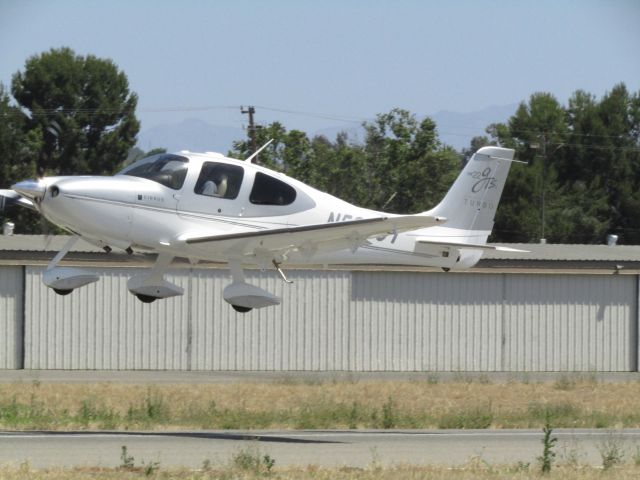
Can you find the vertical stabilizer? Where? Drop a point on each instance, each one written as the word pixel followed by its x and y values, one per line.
pixel 471 202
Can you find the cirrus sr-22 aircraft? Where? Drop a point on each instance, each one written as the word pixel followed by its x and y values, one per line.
pixel 211 207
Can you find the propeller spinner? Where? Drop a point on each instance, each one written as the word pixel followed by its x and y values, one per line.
pixel 31 189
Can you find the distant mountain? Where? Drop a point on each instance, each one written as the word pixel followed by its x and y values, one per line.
pixel 191 134
pixel 455 129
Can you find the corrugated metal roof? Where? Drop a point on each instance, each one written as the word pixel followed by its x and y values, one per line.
pixel 567 252
pixel 42 243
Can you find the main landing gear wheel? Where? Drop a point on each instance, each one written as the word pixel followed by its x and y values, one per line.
pixel 60 291
pixel 240 309
pixel 145 298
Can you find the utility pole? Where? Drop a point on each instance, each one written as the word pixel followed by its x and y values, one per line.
pixel 252 128
pixel 544 155
pixel 543 239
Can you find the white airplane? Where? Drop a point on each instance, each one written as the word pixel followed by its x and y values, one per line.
pixel 205 206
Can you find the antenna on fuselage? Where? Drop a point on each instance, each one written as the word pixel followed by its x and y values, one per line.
pixel 255 154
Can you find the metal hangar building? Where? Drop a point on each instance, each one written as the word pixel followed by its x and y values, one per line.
pixel 559 308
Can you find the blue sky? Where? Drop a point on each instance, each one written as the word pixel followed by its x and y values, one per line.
pixel 345 58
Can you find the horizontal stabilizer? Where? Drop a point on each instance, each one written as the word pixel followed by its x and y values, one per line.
pixel 478 246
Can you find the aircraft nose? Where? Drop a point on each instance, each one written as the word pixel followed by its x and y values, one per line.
pixel 32 189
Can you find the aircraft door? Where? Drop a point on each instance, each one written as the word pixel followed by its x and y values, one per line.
pixel 155 203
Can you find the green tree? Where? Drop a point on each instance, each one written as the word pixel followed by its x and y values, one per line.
pixel 476 144
pixel 583 166
pixel 325 165
pixel 82 109
pixel 602 164
pixel 401 167
pixel 532 196
pixel 408 169
pixel 270 157
pixel 18 151
pixel 612 150
pixel 17 146
pixel 340 169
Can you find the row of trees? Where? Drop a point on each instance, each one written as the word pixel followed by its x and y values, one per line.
pixel 581 180
pixel 583 174
pixel 72 114
pixel 400 167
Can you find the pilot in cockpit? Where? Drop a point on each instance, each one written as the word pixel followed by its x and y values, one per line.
pixel 215 189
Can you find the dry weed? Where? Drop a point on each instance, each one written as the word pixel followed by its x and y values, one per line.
pixel 336 405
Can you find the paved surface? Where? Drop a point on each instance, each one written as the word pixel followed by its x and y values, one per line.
pixel 324 448
pixel 172 377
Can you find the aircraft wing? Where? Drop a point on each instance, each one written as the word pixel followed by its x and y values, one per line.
pixel 309 239
pixel 11 197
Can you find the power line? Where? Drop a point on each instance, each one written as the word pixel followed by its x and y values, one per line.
pixel 187 108
pixel 325 116
pixel 106 111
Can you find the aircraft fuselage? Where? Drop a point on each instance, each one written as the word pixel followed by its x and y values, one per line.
pixel 210 207
pixel 128 211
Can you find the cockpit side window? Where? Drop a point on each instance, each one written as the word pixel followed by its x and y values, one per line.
pixel 167 169
pixel 219 180
pixel 271 191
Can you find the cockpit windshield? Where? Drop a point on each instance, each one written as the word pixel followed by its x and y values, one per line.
pixel 167 169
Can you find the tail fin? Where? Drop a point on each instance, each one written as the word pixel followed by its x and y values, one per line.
pixel 471 202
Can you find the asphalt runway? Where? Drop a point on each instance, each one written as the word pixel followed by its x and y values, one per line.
pixel 301 448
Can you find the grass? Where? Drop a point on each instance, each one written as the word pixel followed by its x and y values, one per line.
pixel 354 405
pixel 466 418
pixel 249 471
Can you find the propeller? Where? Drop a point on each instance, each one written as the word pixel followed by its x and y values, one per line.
pixel 5 202
pixel 27 193
pixel 8 198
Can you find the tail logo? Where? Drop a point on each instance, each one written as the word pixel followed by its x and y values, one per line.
pixel 485 181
